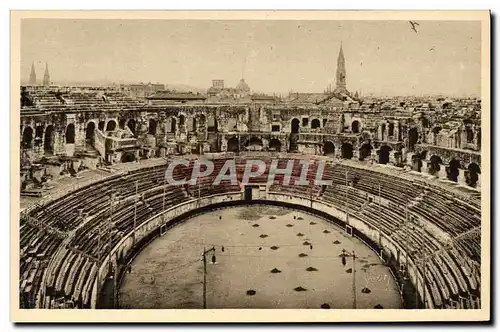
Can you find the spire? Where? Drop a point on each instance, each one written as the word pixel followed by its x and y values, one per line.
pixel 32 74
pixel 46 76
pixel 341 72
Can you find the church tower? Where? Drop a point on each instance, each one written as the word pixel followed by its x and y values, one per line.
pixel 341 86
pixel 46 76
pixel 32 75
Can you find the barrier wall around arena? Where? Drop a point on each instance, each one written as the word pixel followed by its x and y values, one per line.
pixel 150 226
pixel 381 242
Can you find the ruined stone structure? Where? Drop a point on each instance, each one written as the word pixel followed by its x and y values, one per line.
pixel 97 126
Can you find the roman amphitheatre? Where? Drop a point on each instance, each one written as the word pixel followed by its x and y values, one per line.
pixel 397 226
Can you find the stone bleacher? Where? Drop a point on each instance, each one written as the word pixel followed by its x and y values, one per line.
pixel 70 264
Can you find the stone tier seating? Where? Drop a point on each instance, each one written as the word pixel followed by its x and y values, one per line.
pixel 93 227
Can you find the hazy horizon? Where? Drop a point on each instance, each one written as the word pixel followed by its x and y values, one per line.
pixel 382 57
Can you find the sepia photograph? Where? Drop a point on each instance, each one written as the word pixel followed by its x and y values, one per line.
pixel 180 162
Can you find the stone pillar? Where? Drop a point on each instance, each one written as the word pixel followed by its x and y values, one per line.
pixel 425 166
pixel 442 172
pixel 379 132
pixel 392 158
pixel 461 177
pixel 409 159
pixel 355 153
pixel 223 144
pixel 478 184
pixel 396 131
pixel 338 151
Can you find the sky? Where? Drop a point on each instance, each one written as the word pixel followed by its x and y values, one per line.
pixel 382 57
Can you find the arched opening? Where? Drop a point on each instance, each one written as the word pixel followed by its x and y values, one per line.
pixel 101 124
pixel 479 138
pixel 131 125
pixel 473 177
pixel 194 128
pixel 470 135
pixel 412 138
pixel 128 157
pixel 435 165
pixel 295 125
pixel 27 138
pixel 346 150
pixel 153 124
pixel 384 154
pixel 48 143
pixel 233 144
pixel 315 123
pixel 173 125
pixel 212 125
pixel 391 130
pixel 182 120
pixel 365 151
pixel 38 134
pixel 275 145
pixel 355 126
pixel 416 163
pixel 329 149
pixel 90 132
pixel 453 170
pixel 111 126
pixel 122 123
pixel 254 144
pixel 70 134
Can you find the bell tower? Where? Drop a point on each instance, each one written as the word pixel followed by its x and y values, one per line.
pixel 341 86
pixel 46 76
pixel 32 75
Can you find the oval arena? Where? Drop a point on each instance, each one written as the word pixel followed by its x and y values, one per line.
pixel 392 185
pixel 78 241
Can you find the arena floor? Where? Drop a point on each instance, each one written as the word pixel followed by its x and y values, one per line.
pixel 257 239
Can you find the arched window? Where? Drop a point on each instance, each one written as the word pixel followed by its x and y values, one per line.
pixel 474 171
pixel 111 126
pixel 329 149
pixel 435 165
pixel 70 134
pixel 315 123
pixel 173 125
pixel 182 120
pixel 48 143
pixel 152 127
pixel 470 135
pixel 295 125
pixel 391 130
pixel 384 154
pixel 233 144
pixel 453 170
pixel 412 138
pixel 27 138
pixel 128 157
pixel 275 145
pixel 90 132
pixel 365 151
pixel 346 150
pixel 355 127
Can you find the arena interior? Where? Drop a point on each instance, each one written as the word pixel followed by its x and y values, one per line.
pixel 405 175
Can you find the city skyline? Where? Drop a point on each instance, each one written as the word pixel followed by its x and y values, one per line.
pixel 272 56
